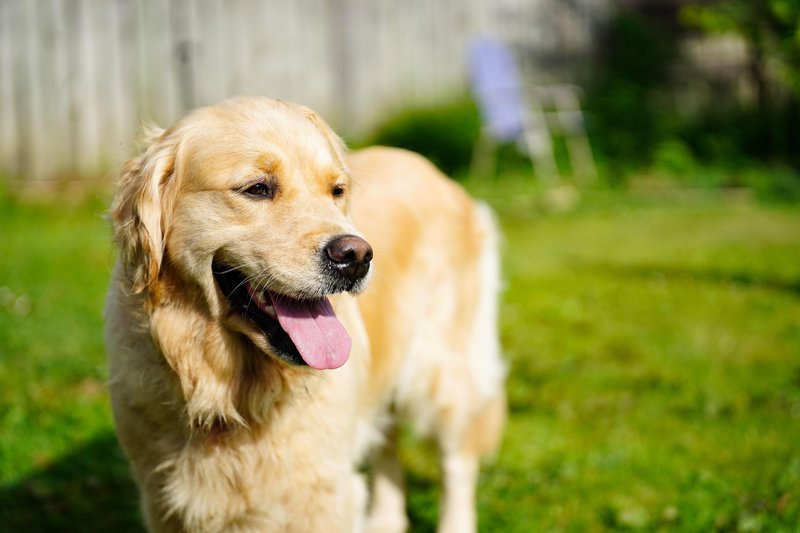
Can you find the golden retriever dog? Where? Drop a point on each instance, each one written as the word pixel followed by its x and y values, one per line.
pixel 278 307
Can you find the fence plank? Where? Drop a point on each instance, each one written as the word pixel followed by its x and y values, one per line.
pixel 9 137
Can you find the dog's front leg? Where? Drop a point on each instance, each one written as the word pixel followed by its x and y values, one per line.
pixel 388 512
pixel 457 513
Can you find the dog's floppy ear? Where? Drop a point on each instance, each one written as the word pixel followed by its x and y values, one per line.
pixel 145 194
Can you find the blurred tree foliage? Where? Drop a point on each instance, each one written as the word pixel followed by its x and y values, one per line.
pixel 635 124
pixel 769 131
pixel 626 118
pixel 771 29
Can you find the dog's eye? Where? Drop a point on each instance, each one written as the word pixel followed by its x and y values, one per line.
pixel 338 191
pixel 260 190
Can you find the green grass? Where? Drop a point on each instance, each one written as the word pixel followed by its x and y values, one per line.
pixel 59 461
pixel 654 343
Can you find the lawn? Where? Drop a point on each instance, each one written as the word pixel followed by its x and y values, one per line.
pixel 653 338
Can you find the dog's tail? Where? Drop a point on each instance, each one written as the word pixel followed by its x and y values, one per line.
pixel 485 357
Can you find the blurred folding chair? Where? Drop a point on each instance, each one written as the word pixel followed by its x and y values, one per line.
pixel 509 113
pixel 562 105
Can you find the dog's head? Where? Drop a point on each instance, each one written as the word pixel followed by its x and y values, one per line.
pixel 246 203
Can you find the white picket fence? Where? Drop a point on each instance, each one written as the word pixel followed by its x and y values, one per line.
pixel 77 77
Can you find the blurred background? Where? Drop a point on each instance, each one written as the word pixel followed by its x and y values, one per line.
pixel 666 83
pixel 643 157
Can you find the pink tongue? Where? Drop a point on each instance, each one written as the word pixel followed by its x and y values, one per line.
pixel 320 338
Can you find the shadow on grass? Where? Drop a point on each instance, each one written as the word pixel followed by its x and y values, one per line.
pixel 707 275
pixel 423 503
pixel 87 490
pixel 91 490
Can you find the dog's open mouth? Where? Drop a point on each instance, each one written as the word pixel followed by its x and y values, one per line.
pixel 300 331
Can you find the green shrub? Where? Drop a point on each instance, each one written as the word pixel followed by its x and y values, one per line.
pixel 781 184
pixel 445 134
pixel 674 157
pixel 733 134
pixel 625 121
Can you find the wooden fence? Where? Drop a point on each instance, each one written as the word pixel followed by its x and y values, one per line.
pixel 77 77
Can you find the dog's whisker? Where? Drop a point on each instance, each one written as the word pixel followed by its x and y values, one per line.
pixel 240 267
pixel 246 281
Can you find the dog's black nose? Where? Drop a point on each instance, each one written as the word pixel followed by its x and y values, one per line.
pixel 350 255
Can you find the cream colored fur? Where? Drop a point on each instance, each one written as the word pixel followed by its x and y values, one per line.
pixel 222 435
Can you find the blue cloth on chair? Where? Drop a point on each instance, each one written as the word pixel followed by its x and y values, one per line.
pixel 497 88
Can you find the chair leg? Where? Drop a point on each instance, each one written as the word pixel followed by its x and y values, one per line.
pixel 539 143
pixel 484 156
pixel 571 122
pixel 540 151
pixel 580 153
